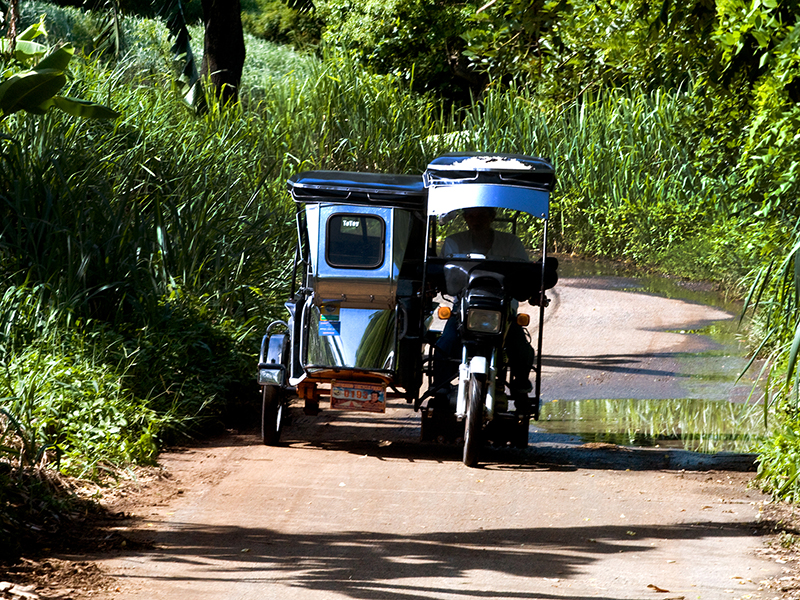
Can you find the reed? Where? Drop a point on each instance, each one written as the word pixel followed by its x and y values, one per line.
pixel 627 185
pixel 162 241
pixel 63 395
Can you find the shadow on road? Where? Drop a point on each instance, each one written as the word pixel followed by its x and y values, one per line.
pixel 630 364
pixel 395 436
pixel 366 564
pixel 547 455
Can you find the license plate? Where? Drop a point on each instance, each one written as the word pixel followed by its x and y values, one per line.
pixel 367 397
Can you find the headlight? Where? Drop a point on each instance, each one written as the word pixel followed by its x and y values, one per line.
pixel 484 321
pixel 270 377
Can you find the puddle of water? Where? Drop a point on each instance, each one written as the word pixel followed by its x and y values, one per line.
pixel 626 278
pixel 698 425
pixel 692 424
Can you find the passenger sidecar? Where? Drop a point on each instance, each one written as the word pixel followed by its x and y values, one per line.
pixel 353 332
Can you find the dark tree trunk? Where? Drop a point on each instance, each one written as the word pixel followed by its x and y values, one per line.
pixel 223 58
pixel 12 16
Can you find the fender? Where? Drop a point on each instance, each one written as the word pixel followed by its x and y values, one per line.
pixel 271 364
pixel 478 366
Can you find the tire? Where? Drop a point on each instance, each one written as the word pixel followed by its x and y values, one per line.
pixel 476 394
pixel 271 415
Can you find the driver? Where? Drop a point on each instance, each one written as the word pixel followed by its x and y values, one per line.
pixel 481 238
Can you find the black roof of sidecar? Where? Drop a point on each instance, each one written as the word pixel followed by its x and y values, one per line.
pixel 406 191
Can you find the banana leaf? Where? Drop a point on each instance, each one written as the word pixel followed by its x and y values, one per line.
pixel 32 32
pixel 57 59
pixel 25 51
pixel 84 108
pixel 795 348
pixel 28 90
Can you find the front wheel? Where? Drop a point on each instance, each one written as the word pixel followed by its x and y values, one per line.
pixel 271 415
pixel 474 421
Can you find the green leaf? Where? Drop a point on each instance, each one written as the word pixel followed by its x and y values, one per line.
pixel 30 89
pixel 763 277
pixel 793 355
pixel 756 353
pixel 762 38
pixel 796 277
pixel 84 108
pixel 33 31
pixel 58 59
pixel 24 51
pixel 9 450
pixel 41 109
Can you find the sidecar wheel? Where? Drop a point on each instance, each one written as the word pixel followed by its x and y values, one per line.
pixel 474 421
pixel 271 415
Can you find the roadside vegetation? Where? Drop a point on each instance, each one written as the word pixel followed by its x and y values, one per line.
pixel 142 256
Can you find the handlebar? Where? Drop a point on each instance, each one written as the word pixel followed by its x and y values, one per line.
pixel 522 279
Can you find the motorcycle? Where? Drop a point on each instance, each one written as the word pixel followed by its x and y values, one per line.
pixel 484 294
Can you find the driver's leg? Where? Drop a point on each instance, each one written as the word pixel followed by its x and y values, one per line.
pixel 445 358
pixel 520 356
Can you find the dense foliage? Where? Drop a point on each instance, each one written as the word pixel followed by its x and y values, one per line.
pixel 275 21
pixel 141 258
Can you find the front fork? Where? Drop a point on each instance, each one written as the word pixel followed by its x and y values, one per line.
pixel 479 366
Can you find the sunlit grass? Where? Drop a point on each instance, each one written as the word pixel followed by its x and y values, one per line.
pixel 161 242
pixel 627 186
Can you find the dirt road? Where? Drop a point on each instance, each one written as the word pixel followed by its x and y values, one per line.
pixel 353 506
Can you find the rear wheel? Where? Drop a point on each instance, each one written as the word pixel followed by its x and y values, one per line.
pixel 271 415
pixel 474 421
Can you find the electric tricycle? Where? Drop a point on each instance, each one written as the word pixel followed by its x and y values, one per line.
pixel 378 309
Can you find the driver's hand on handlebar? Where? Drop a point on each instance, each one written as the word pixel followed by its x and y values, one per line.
pixel 535 301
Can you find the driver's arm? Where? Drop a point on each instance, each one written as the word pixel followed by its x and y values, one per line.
pixel 456 244
pixel 513 249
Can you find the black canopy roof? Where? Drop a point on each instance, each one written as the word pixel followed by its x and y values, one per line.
pixel 349 187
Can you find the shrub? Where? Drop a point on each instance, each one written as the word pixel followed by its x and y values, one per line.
pixel 276 22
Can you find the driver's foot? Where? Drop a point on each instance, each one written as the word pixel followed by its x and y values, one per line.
pixel 522 404
pixel 439 402
pixel 520 387
pixel 519 394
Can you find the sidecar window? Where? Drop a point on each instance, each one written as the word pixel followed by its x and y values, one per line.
pixel 355 241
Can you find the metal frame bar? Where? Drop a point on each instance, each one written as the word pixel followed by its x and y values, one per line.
pixel 538 387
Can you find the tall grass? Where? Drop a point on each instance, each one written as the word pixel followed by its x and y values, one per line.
pixel 338 117
pixel 774 299
pixel 157 243
pixel 64 398
pixel 627 184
